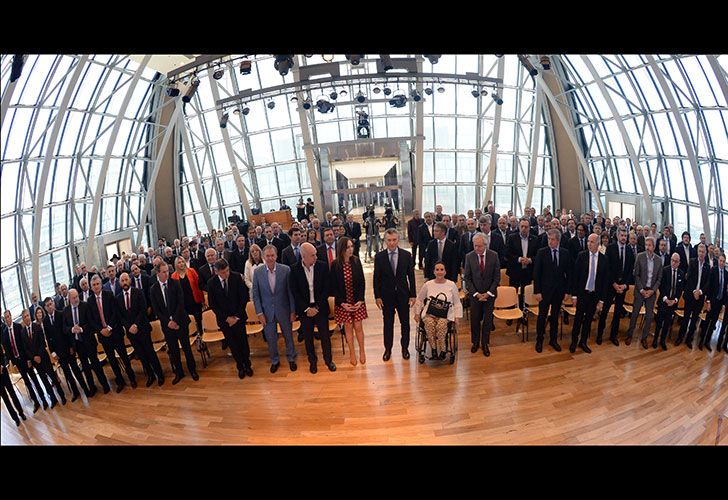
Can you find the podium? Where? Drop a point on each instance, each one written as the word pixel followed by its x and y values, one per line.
pixel 282 217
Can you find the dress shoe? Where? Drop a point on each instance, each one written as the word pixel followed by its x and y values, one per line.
pixel 317 336
pixel 195 376
pixel 17 421
pixel 406 354
pixel 176 379
pixel 654 343
pixel 160 381
pixel 707 348
pixel 54 403
pixel 274 367
pixel 293 366
pixel 628 341
pixel 599 340
pixel 572 348
pixel 312 368
pixel 387 355
pixel 555 346
pixel 36 407
pixel 663 345
pixel 585 348
pixel 486 351
pixel 615 341
pixel 107 389
pixel 443 355
pixel 241 374
pixel 332 366
pixel 690 345
pixel 679 340
pixel 644 343
pixel 474 348
pixel 249 371
pixel 120 387
pixel 75 397
pixel 150 381
pixel 22 415
pixel 63 401
pixel 133 384
pixel 45 405
pixel 539 346
pixel 300 337
pixel 92 392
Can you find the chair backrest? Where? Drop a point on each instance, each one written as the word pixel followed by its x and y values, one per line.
pixel 681 302
pixel 629 296
pixel 209 321
pixel 332 307
pixel 528 296
pixel 507 297
pixel 568 302
pixel 250 312
pixel 197 327
pixel 504 280
pixel 157 333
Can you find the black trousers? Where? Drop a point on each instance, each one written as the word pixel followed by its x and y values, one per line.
pixel 617 299
pixel 481 320
pixel 586 306
pixel 401 306
pixel 89 357
pixel 115 343
pixel 554 301
pixel 663 324
pixel 144 350
pixel 322 323
pixel 28 374
pixel 48 377
pixel 72 373
pixel 423 249
pixel 707 327
pixel 236 337
pixel 693 308
pixel 174 338
pixel 413 247
pixel 8 394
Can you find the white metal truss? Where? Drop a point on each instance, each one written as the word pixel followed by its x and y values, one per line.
pixel 496 134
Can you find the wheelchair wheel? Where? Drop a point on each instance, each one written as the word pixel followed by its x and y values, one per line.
pixel 421 358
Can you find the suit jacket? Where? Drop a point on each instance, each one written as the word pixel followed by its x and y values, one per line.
pixel 670 245
pixel 413 234
pixel 691 279
pixel 714 286
pixel 137 315
pixel 86 337
pixel 575 248
pixel 231 304
pixel 449 258
pixel 616 273
pixel 17 332
pixel 493 220
pixel 117 287
pixel 685 260
pixel 550 279
pixel 566 237
pixel 59 302
pixel 230 245
pixel 353 231
pixel 665 259
pixel 278 243
pixel 640 272
pixel 111 312
pixel 666 283
pixel 399 286
pixel 357 279
pixel 77 280
pixel 238 259
pixel 580 275
pixel 279 304
pixel 424 236
pixel 322 253
pixel 37 345
pixel 515 271
pixel 56 337
pixel 146 285
pixel 452 235
pixel 205 274
pixel 498 244
pixel 289 256
pixel 300 290
pixel 465 245
pixel 284 238
pixel 482 283
pixel 175 307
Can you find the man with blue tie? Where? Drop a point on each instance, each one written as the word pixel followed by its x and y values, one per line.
pixel 716 299
pixel 550 287
pixel 589 282
pixel 274 305
pixel 113 285
pixel 292 253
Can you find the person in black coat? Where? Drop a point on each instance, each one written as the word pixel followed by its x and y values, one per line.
pixel 577 244
pixel 35 346
pixel 312 310
pixel 207 270
pixel 132 308
pixel 61 300
pixel 12 342
pixel 498 242
pixel 141 280
pixel 520 266
pixel 716 299
pixel 449 254
pixel 8 392
pixel 239 255
pixel 396 290
pixel 696 289
pixel 621 264
pixel 168 302
pixel 292 253
pixel 228 303
pixel 353 231
pixel 587 301
pixel 76 327
pixel 670 292
pixel 106 324
pixel 323 253
pixel 60 346
pixel 465 245
pixel 667 236
pixel 686 251
pixel 550 287
pixel 426 234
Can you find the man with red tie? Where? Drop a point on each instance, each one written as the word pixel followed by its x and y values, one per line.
pixel 327 251
pixel 12 342
pixel 34 341
pixel 481 276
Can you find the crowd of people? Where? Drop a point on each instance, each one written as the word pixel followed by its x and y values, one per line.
pixel 591 263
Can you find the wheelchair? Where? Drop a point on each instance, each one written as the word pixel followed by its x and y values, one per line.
pixel 451 341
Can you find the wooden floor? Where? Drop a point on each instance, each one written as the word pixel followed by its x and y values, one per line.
pixel 622 395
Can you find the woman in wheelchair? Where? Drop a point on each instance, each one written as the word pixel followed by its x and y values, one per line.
pixel 436 327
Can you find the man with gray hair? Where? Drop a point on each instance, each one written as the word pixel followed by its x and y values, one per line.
pixel 647 278
pixel 481 277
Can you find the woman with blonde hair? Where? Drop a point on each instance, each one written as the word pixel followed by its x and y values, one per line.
pixel 190 282
pixel 255 260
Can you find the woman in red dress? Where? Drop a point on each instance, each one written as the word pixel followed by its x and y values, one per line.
pixel 348 287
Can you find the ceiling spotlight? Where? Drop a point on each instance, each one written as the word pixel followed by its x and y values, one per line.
pixel 527 64
pixel 224 120
pixel 246 110
pixel 333 95
pixel 327 57
pixel 416 96
pixel 294 99
pixel 441 89
pixel 360 97
pixel 433 58
pixel 545 62
pixel 362 129
pixel 283 64
pixel 324 106
pixel 386 62
pixel 191 90
pixel 428 91
pixel 484 93
pixel 218 72
pixel 245 66
pixel 236 111
pixel 497 99
pixel 354 59
pixel 271 104
pixel 343 92
pixel 172 90
pixel 308 55
pixel 475 92
pixel 398 101
pixel 376 90
pixel 387 91
pixel 307 103
pixel 499 55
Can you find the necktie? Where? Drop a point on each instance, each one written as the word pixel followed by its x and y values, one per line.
pixel 555 258
pixel 128 302
pixel 621 257
pixel 721 287
pixel 224 287
pixel 100 305
pixel 439 250
pixel 672 288
pixel 331 256
pixel 392 261
pixel 139 283
pixel 298 255
pixel 75 315
pixel 592 275
pixel 470 237
pixel 51 318
pixel 582 243
pixel 12 341
pixel 164 293
pixel 482 264
pixel 30 333
pixel 212 270
pixel 65 302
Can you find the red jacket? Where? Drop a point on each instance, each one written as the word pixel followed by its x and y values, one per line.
pixel 194 280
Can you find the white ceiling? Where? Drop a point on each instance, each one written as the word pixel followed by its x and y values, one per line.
pixel 166 62
pixel 357 169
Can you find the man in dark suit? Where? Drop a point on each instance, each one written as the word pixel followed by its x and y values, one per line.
pixel 451 233
pixel 466 240
pixel 662 253
pixel 12 342
pixel 697 286
pixel 647 277
pixel 228 295
pixel 671 288
pixel 84 274
pixel 207 270
pixel 494 217
pixel 229 243
pixel 441 249
pixel 197 256
pixel 550 287
pixel 327 252
pixel 413 233
pixel 481 276
pixel 113 284
pixel 252 239
pixel 76 327
pixel 667 236
pixel 141 281
pixel 34 342
pixel 8 392
pixel 281 235
pixel 168 304
pixel 270 239
pixel 239 256
pixel 353 230
pixel 578 243
pixel 567 236
pixel 686 252
pixel 34 304
pixel 426 234
pixel 589 282
pixel 715 299
pixel 132 308
pixel 499 241
pixel 61 301
pixel 292 253
pixel 309 279
pixel 104 322
pixel 394 290
pixel 521 250
pixel 60 346
pixel 619 276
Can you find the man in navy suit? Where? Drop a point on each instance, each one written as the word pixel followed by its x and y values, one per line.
pixel 113 285
pixel 589 281
pixel 619 277
pixel 671 288
pixel 550 287
pixel 686 252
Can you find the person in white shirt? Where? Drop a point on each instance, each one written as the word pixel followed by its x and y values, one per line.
pixel 255 260
pixel 436 327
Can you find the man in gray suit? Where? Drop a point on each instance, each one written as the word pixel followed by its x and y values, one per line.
pixel 647 278
pixel 273 300
pixel 482 276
